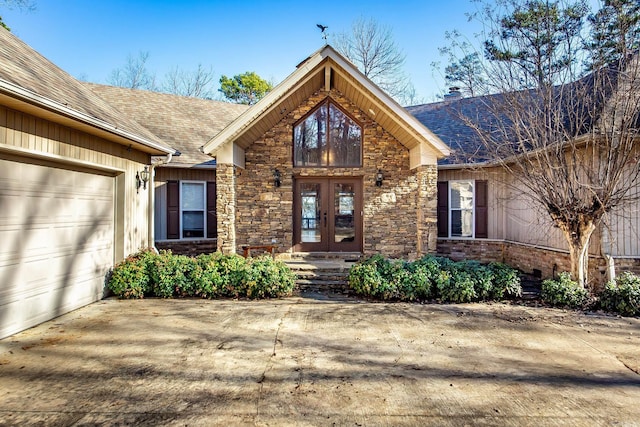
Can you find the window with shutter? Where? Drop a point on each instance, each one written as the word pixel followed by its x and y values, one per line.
pixel 191 210
pixel 463 209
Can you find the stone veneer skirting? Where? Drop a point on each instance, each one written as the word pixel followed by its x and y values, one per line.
pixel 188 247
pixel 528 258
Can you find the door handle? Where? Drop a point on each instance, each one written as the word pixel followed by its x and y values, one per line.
pixel 325 219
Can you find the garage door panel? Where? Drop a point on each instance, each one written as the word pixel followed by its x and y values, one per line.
pixel 57 233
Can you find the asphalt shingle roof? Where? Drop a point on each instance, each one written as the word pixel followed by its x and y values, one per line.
pixel 185 123
pixel 22 66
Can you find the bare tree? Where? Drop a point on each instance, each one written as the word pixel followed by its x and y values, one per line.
pixel 196 83
pixel 15 4
pixel 565 134
pixel 134 74
pixel 371 48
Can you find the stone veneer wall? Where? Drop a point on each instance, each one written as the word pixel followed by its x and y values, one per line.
pixel 527 258
pixel 188 247
pixel 265 213
pixel 427 201
pixel 226 207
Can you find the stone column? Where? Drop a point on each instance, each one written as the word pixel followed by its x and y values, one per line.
pixel 427 200
pixel 226 207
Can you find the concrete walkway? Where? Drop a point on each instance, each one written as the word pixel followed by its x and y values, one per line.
pixel 321 361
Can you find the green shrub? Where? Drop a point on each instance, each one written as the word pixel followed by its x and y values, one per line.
pixel 207 279
pixel 458 287
pixel 208 276
pixel 268 278
pixel 564 292
pixel 129 278
pixel 415 281
pixel 622 295
pixel 506 281
pixel 364 278
pixel 233 271
pixel 433 277
pixel 170 275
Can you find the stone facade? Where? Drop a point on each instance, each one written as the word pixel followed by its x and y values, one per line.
pixel 427 202
pixel 391 212
pixel 188 247
pixel 226 207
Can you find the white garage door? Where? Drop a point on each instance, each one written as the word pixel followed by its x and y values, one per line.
pixel 56 240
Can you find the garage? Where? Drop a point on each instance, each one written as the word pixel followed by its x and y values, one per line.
pixel 57 234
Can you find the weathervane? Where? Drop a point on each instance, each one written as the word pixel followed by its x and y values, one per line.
pixel 322 30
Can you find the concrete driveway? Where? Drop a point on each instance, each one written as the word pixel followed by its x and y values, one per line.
pixel 321 361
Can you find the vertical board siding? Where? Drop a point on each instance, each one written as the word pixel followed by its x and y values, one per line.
pixel 39 137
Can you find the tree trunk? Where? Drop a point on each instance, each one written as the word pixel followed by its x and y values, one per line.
pixel 578 240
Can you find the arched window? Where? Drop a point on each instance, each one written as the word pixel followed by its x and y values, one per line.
pixel 327 136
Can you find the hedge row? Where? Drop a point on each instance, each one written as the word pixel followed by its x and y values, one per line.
pixel 620 296
pixel 433 278
pixel 207 276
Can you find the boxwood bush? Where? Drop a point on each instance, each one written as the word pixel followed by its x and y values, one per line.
pixel 622 295
pixel 213 275
pixel 564 292
pixel 433 278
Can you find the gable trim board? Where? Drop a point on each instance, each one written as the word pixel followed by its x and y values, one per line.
pixel 309 77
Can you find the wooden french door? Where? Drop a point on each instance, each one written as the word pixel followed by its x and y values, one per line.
pixel 328 215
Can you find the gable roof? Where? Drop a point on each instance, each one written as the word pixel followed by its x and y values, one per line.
pixel 31 83
pixel 327 69
pixel 186 123
pixel 444 119
pixel 576 115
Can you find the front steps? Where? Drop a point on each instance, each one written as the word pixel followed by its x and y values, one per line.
pixel 322 272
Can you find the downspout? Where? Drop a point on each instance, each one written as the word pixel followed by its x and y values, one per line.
pixel 151 231
pixel 605 245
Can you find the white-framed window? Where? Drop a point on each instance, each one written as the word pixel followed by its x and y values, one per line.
pixel 461 208
pixel 193 204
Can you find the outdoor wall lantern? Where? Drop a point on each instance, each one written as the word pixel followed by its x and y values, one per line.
pixel 276 178
pixel 379 178
pixel 142 178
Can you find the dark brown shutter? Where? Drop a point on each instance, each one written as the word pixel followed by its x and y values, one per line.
pixel 173 210
pixel 443 209
pixel 481 210
pixel 212 217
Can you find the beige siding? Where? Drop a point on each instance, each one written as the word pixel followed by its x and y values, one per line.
pixel 25 135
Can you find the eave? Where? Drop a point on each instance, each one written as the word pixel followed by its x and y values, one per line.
pixel 21 99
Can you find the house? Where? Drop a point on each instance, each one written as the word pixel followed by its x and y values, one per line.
pixel 483 216
pixel 326 162
pixel 72 198
pixel 299 170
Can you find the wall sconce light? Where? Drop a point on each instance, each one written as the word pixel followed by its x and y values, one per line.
pixel 142 178
pixel 379 178
pixel 276 178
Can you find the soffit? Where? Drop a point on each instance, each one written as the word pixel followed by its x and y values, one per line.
pixel 329 70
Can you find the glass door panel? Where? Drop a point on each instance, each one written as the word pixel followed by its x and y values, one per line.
pixel 311 209
pixel 328 215
pixel 344 229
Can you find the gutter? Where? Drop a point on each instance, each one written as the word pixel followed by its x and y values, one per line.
pixel 33 98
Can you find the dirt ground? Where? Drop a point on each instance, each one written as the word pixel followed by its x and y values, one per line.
pixel 323 361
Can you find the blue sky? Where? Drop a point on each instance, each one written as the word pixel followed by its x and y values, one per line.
pixel 90 38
